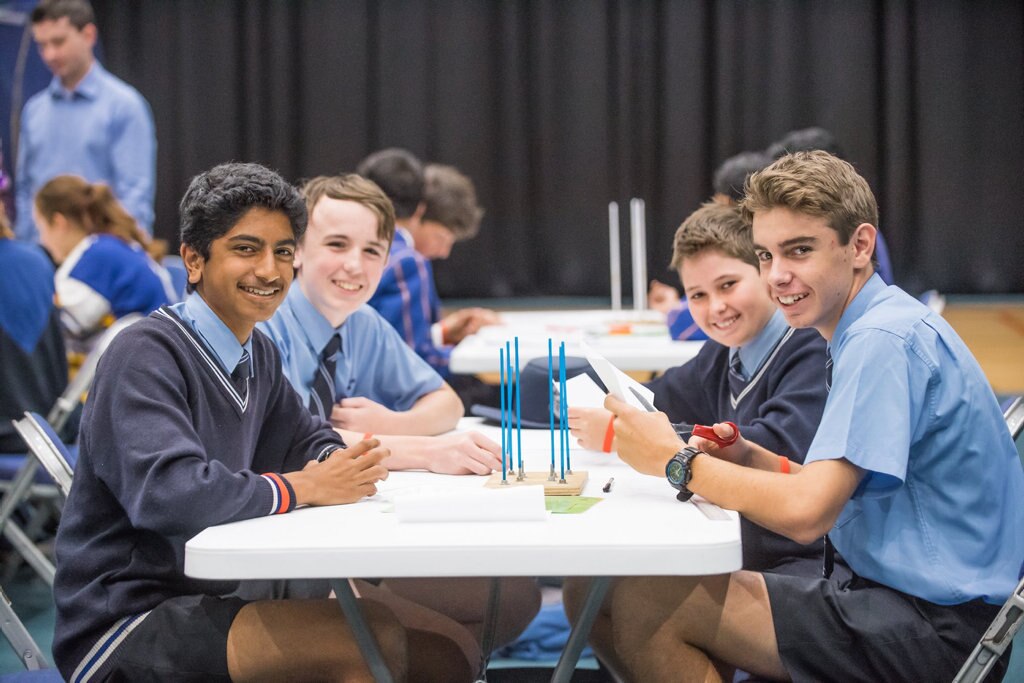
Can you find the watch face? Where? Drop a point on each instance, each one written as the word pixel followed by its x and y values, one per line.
pixel 674 472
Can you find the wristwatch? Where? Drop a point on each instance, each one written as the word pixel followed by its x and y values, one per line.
pixel 678 472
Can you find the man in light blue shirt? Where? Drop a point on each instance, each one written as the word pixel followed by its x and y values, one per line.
pixel 912 474
pixel 87 122
pixel 372 382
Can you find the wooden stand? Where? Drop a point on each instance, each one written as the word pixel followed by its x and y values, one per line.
pixel 573 486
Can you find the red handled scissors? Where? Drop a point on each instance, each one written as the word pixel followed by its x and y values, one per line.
pixel 698 430
pixel 709 434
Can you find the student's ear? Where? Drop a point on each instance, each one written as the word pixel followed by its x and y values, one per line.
pixel 863 242
pixel 194 263
pixel 89 32
pixel 59 222
pixel 416 219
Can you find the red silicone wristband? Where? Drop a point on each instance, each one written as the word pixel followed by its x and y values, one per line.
pixel 609 435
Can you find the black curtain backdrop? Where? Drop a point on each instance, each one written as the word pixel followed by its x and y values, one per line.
pixel 557 107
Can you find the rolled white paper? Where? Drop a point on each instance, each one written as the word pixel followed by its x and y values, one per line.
pixel 514 504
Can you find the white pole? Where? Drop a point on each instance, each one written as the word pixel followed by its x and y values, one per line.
pixel 614 257
pixel 638 235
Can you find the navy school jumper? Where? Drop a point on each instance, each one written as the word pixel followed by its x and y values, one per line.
pixel 168 448
pixel 779 408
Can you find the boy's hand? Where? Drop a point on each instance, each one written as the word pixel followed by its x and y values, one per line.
pixel 360 414
pixel 738 452
pixel 462 323
pixel 348 475
pixel 463 453
pixel 590 427
pixel 646 441
pixel 662 297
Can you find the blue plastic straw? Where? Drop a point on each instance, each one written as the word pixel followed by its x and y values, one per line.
pixel 562 446
pixel 519 422
pixel 565 416
pixel 501 385
pixel 508 382
pixel 551 405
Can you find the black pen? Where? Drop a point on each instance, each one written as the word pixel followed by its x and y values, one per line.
pixel 607 488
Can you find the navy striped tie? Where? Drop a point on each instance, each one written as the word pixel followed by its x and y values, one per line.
pixel 321 398
pixel 240 376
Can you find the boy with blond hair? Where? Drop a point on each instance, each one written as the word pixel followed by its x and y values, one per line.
pixel 912 474
pixel 755 370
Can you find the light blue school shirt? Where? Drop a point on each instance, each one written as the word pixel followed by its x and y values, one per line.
pixel 373 361
pixel 753 353
pixel 218 337
pixel 938 514
pixel 102 130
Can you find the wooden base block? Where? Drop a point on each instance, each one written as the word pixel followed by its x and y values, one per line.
pixel 573 486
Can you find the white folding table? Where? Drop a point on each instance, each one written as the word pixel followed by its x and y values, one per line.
pixel 637 529
pixel 631 340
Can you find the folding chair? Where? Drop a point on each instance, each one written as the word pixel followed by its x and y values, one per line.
pixel 19 489
pixel 1011 617
pixel 19 637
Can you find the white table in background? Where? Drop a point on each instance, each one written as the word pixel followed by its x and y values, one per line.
pixel 647 347
pixel 638 529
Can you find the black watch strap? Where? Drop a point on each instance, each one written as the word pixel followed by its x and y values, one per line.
pixel 678 472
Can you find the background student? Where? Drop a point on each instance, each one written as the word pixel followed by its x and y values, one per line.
pixel 104 271
pixel 755 370
pixel 912 473
pixel 432 212
pixel 191 423
pixel 87 122
pixel 33 365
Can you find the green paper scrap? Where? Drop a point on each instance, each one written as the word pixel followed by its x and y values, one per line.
pixel 570 505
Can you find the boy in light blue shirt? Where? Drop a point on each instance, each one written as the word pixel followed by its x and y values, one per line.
pixel 377 384
pixel 912 474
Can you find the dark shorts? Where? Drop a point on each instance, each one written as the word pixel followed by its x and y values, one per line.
pixel 858 630
pixel 181 639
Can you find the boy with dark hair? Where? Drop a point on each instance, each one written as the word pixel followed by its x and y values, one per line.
pixel 191 424
pixel 731 177
pixel 407 296
pixel 912 473
pixel 754 371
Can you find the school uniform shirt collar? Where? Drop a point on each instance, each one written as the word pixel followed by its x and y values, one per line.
pixel 215 334
pixel 315 326
pixel 88 88
pixel 403 236
pixel 860 304
pixel 754 353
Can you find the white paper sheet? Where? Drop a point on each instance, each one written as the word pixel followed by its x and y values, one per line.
pixel 583 392
pixel 618 382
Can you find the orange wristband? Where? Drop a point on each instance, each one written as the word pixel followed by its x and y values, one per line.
pixel 367 435
pixel 783 464
pixel 609 435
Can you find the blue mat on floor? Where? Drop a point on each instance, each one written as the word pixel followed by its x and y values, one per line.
pixel 543 639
